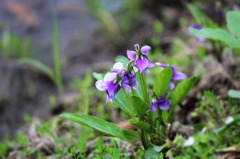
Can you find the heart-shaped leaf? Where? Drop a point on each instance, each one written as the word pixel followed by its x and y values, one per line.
pixel 162 83
pixel 233 22
pixel 182 90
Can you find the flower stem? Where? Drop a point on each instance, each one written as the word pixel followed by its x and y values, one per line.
pixel 129 101
pixel 144 87
pixel 143 138
pixel 146 96
pixel 133 91
pixel 148 99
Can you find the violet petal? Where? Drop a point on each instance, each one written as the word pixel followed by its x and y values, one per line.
pixel 131 54
pixel 179 76
pixel 127 87
pixel 112 90
pixel 117 67
pixel 165 105
pixel 142 64
pixel 154 106
pixel 146 49
pixel 150 64
pixel 110 76
pixel 101 85
pixel 172 85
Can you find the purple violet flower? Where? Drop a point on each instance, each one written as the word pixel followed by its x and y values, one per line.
pixel 111 81
pixel 129 80
pixel 198 27
pixel 177 76
pixel 140 57
pixel 161 103
pixel 118 68
pixel 110 85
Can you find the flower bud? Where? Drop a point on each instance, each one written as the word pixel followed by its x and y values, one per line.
pixel 137 47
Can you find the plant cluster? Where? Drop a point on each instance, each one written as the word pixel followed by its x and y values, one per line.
pixel 151 110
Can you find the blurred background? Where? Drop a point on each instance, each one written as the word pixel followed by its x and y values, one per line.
pixel 48 46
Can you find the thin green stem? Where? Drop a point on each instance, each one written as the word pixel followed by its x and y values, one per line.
pixel 87 105
pixel 146 88
pixel 160 133
pixel 133 91
pixel 128 101
pixel 143 139
pixel 143 87
pixel 146 96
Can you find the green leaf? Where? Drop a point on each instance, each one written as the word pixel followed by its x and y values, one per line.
pixel 200 17
pixel 162 83
pixel 182 90
pixel 97 123
pixel 39 65
pixel 234 94
pixel 233 22
pixel 141 125
pixel 132 134
pixel 217 34
pixel 164 116
pixel 151 154
pixel 122 59
pixel 121 101
pixel 158 148
pixel 98 76
pixel 139 105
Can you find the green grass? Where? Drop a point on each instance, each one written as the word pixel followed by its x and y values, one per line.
pixel 57 53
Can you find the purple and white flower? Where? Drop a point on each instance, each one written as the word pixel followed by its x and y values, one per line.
pixel 177 76
pixel 198 27
pixel 161 103
pixel 110 85
pixel 118 68
pixel 129 80
pixel 189 142
pixel 112 82
pixel 140 57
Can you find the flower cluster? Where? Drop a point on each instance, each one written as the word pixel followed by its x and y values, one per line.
pixel 112 82
pixel 124 77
